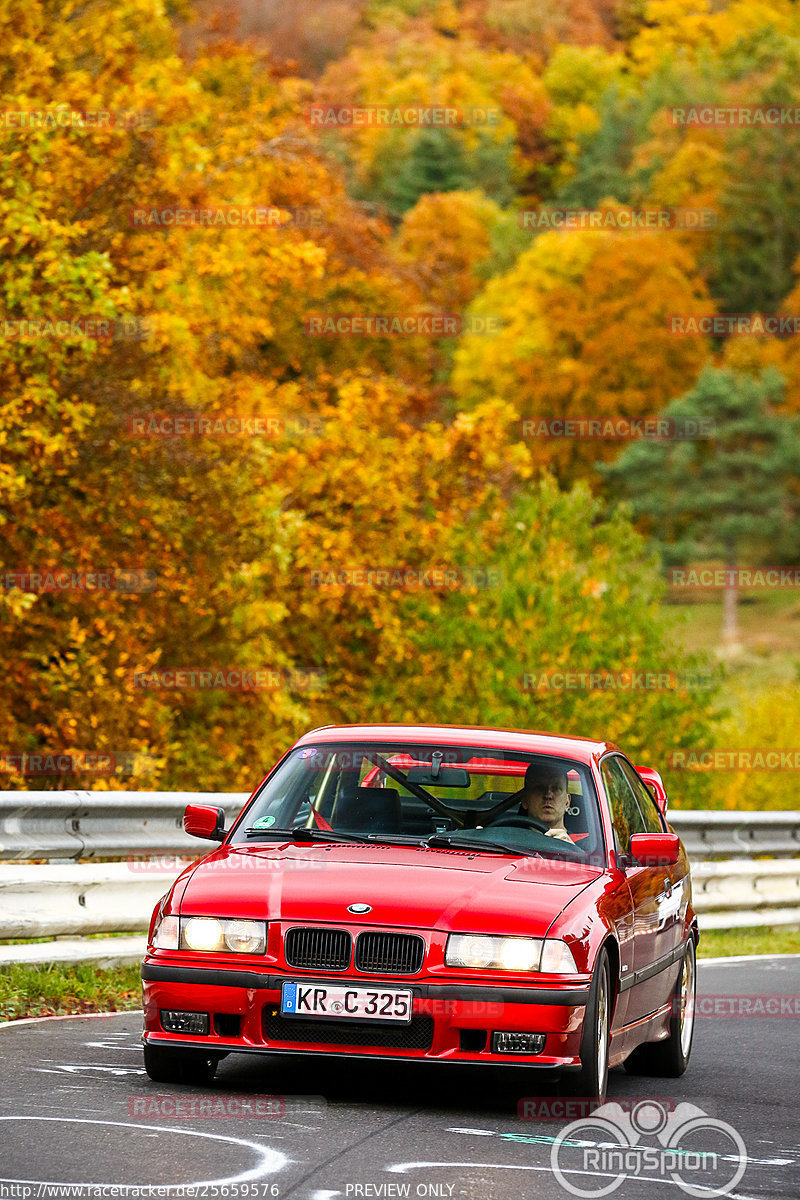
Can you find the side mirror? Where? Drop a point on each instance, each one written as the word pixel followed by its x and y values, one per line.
pixel 655 849
pixel 655 784
pixel 203 821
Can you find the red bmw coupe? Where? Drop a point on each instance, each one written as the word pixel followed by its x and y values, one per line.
pixel 432 893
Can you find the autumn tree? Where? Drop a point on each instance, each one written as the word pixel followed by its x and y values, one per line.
pixel 585 334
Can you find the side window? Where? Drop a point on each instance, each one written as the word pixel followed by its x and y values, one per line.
pixel 647 804
pixel 625 814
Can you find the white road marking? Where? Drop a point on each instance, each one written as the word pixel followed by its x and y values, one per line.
pixel 544 1139
pixel 740 958
pixel 76 1069
pixel 402 1168
pixel 127 1012
pixel 270 1162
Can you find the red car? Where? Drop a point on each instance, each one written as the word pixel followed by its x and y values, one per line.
pixel 432 893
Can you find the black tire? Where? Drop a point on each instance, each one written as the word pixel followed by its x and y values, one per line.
pixel 669 1058
pixel 178 1066
pixel 591 1081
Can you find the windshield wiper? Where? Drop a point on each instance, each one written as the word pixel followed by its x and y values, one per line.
pixel 303 834
pixel 393 839
pixel 281 835
pixel 466 843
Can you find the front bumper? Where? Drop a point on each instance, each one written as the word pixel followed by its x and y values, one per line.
pixel 451 1022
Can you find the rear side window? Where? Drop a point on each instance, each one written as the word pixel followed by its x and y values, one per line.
pixel 647 805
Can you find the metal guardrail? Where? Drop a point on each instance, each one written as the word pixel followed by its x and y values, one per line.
pixel 79 899
pixel 733 885
pixel 96 825
pixel 709 834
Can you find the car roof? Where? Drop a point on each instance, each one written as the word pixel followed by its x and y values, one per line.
pixel 522 740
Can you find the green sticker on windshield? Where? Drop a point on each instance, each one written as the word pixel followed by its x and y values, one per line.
pixel 263 823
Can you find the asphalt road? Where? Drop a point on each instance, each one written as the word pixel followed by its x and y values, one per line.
pixel 77 1108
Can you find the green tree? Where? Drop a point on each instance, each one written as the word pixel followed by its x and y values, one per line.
pixel 567 589
pixel 437 160
pixel 758 239
pixel 732 495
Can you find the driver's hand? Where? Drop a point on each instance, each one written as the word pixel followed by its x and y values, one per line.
pixel 561 834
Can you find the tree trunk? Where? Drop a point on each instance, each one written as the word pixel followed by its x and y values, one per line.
pixel 730 612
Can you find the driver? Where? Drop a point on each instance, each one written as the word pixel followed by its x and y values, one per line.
pixel 545 798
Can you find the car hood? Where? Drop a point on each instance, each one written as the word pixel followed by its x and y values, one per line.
pixel 408 887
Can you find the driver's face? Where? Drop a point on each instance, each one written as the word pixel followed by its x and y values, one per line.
pixel 547 800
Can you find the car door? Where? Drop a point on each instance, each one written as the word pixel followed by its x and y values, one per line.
pixel 646 885
pixel 673 896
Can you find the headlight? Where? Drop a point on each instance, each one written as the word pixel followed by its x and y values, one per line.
pixel 209 934
pixel 509 954
pixel 499 953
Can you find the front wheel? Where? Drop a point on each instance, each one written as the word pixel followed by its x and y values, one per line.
pixel 178 1066
pixel 670 1058
pixel 592 1079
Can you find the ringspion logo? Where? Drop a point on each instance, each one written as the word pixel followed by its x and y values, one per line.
pixel 653 1142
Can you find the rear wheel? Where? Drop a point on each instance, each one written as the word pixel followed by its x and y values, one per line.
pixel 670 1058
pixel 178 1066
pixel 592 1079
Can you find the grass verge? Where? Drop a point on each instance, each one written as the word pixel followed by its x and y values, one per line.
pixel 773 939
pixel 28 990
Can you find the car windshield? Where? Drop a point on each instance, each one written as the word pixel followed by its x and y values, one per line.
pixel 445 796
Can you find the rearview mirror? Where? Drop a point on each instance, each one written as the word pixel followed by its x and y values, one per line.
pixel 655 849
pixel 655 784
pixel 449 777
pixel 204 821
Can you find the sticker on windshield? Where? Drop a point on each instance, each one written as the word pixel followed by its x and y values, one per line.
pixel 263 823
pixel 306 753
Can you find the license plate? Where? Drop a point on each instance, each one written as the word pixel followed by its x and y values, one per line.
pixel 335 1000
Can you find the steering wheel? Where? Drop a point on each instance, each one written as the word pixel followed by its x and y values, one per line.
pixel 520 822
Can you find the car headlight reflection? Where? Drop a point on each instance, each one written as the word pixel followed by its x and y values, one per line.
pixel 210 934
pixel 509 953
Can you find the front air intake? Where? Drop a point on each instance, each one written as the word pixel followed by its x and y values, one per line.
pixel 318 949
pixel 389 953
